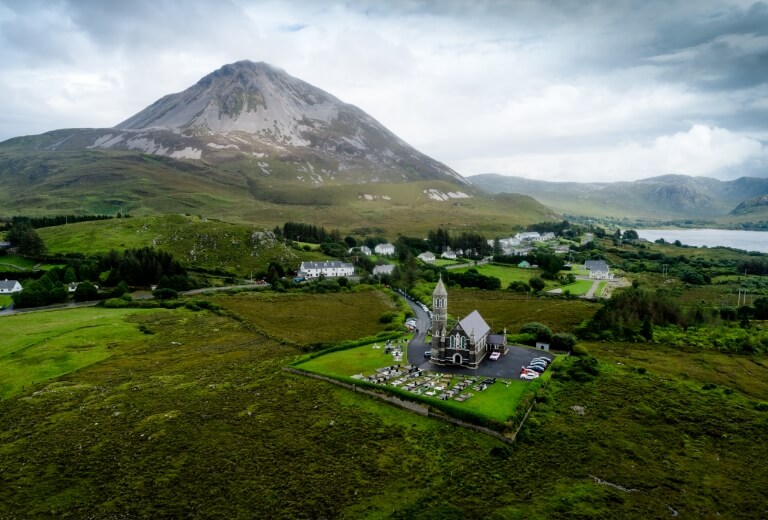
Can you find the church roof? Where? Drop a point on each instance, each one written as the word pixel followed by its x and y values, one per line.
pixel 440 289
pixel 474 325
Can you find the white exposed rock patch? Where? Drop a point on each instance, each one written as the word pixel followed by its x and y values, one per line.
pixel 146 145
pixel 264 168
pixel 368 196
pixel 187 153
pixel 217 146
pixel 441 196
pixel 107 141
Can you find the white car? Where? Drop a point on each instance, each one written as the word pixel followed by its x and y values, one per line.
pixel 529 375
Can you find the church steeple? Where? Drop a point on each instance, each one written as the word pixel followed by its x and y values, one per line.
pixel 439 309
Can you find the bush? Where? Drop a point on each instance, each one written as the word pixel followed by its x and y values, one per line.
pixel 563 341
pixel 519 287
pixel 536 283
pixel 540 331
pixel 388 317
pixel 579 350
pixel 165 294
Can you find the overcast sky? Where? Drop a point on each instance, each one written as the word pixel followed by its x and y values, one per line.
pixel 550 90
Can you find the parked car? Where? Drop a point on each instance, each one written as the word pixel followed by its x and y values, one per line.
pixel 537 368
pixel 495 355
pixel 537 364
pixel 529 375
pixel 544 359
pixel 427 354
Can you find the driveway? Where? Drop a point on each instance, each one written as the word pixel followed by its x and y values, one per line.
pixel 506 367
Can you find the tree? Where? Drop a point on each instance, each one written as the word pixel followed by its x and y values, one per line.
pixel 536 283
pixel 563 341
pixel 519 286
pixel 24 237
pixel 540 331
pixel 70 276
pixel 86 291
pixel 631 234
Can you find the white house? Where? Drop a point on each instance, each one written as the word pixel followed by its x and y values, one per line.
pixel 328 269
pixel 448 254
pixel 383 269
pixel 363 249
pixel 9 286
pixel 598 269
pixel 384 249
pixel 426 257
pixel 530 236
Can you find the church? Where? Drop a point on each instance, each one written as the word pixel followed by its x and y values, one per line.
pixel 467 342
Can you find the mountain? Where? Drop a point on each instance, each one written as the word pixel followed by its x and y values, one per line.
pixel 656 198
pixel 259 113
pixel 252 144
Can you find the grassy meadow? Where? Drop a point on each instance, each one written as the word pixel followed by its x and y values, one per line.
pixel 198 418
pixel 43 345
pixel 505 273
pixel 511 310
pixel 311 319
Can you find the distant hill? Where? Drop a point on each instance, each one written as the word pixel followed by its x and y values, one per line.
pixel 662 197
pixel 250 143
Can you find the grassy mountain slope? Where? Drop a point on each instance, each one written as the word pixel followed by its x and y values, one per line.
pixel 196 242
pixel 663 197
pixel 50 183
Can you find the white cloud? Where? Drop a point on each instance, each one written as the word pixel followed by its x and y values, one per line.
pixel 523 88
pixel 701 151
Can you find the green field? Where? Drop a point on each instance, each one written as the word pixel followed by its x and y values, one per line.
pixel 18 263
pixel 307 319
pixel 5 300
pixel 346 363
pixel 504 273
pixel 579 288
pixel 503 309
pixel 44 345
pixel 199 419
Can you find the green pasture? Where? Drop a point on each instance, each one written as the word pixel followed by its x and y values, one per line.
pixel 44 345
pixel 443 262
pixel 504 309
pixel 579 287
pixel 13 262
pixel 5 300
pixel 504 273
pixel 364 359
pixel 306 319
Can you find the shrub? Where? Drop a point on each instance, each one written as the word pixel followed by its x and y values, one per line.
pixel 388 317
pixel 563 341
pixel 579 350
pixel 539 330
pixel 165 294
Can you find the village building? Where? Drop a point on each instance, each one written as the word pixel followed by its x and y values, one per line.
pixel 426 257
pixel 384 249
pixel 598 270
pixel 448 254
pixel 363 249
pixel 467 342
pixel 328 269
pixel 383 269
pixel 10 286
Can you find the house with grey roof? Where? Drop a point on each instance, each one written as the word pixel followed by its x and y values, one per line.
pixel 465 343
pixel 10 286
pixel 383 269
pixel 598 270
pixel 384 249
pixel 331 269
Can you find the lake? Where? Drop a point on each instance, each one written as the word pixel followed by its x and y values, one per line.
pixel 746 240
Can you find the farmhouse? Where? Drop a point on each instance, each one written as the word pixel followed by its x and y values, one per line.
pixel 328 269
pixel 383 269
pixel 9 286
pixel 384 249
pixel 426 257
pixel 448 254
pixel 598 269
pixel 466 343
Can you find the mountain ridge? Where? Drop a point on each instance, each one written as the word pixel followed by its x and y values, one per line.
pixel 671 196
